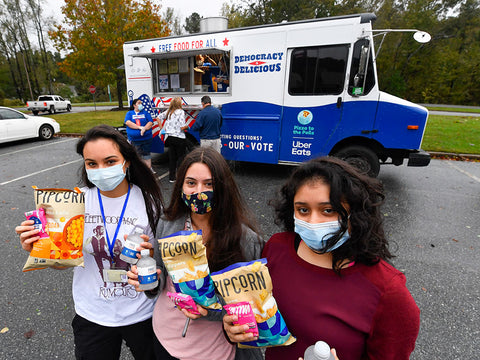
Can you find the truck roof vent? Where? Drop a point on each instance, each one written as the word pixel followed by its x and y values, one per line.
pixel 214 23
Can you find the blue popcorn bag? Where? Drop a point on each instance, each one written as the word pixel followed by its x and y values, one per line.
pixel 185 258
pixel 250 281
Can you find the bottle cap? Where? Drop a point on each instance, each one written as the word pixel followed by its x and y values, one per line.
pixel 145 252
pixel 322 350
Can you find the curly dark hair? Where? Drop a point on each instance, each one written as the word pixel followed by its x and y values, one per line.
pixel 137 173
pixel 364 196
pixel 229 211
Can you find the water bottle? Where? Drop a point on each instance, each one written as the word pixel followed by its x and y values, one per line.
pixel 319 351
pixel 147 271
pixel 129 250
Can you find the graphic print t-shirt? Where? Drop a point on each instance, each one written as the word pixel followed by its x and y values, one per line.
pixel 106 303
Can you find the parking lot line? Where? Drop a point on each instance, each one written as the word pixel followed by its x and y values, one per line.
pixel 36 147
pixel 39 172
pixel 463 171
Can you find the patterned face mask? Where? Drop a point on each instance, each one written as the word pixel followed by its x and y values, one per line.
pixel 200 203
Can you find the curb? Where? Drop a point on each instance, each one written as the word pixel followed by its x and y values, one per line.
pixel 453 156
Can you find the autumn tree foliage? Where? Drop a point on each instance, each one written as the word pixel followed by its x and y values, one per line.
pixel 93 33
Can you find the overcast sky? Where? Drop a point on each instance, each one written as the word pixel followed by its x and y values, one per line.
pixel 183 8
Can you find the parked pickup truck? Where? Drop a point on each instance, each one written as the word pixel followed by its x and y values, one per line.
pixel 50 103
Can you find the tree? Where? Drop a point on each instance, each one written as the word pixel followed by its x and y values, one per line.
pixel 93 33
pixel 192 23
pixel 173 21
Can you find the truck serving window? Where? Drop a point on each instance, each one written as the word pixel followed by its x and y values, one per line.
pixel 318 70
pixel 202 72
pixel 357 75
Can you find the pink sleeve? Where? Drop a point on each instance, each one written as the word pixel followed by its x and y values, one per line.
pixel 395 324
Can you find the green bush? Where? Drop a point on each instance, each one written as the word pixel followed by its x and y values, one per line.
pixel 11 102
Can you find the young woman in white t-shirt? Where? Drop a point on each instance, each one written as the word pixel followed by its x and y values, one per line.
pixel 121 193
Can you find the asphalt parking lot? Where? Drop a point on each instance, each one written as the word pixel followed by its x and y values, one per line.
pixel 431 218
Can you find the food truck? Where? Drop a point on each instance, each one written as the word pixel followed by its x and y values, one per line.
pixel 288 92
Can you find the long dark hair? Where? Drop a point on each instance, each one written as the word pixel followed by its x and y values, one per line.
pixel 229 211
pixel 137 173
pixel 363 194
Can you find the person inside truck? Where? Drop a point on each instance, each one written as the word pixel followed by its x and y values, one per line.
pixel 330 272
pixel 205 68
pixel 221 80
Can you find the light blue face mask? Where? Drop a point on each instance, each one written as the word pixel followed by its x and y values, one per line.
pixel 316 236
pixel 140 107
pixel 106 179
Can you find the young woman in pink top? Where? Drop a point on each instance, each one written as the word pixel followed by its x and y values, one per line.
pixel 230 236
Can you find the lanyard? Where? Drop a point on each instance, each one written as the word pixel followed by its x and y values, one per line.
pixel 119 224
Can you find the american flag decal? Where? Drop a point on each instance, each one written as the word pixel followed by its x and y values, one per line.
pixel 150 106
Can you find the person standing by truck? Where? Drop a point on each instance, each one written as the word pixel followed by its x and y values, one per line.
pixel 208 123
pixel 139 130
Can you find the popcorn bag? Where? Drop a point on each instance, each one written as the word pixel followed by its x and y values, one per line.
pixel 250 282
pixel 185 258
pixel 60 217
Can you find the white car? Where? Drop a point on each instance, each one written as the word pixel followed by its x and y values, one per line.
pixel 15 125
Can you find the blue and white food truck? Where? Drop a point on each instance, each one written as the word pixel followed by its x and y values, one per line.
pixel 288 92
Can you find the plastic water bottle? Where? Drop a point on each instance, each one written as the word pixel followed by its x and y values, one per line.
pixel 147 271
pixel 319 351
pixel 129 250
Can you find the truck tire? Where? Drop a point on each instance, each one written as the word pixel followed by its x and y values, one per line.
pixel 362 158
pixel 45 132
pixel 35 112
pixel 52 110
pixel 69 107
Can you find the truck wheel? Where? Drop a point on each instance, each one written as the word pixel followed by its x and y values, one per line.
pixel 362 158
pixel 35 113
pixel 45 132
pixel 52 110
pixel 69 108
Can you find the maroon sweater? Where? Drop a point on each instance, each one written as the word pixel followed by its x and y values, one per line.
pixel 367 313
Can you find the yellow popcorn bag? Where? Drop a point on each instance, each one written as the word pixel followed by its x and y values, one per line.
pixel 251 282
pixel 61 238
pixel 185 258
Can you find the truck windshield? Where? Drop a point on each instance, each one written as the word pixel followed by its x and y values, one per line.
pixel 318 70
pixel 45 98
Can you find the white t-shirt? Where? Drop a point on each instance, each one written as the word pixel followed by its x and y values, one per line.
pixel 174 123
pixel 106 303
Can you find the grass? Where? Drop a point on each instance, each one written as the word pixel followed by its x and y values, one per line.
pixel 452 134
pixel 79 123
pixel 455 134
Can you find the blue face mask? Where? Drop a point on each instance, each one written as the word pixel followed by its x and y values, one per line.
pixel 316 236
pixel 106 179
pixel 140 107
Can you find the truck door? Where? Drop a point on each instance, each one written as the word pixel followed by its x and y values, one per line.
pixel 313 100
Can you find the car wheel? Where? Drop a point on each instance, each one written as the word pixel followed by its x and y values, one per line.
pixel 362 158
pixel 35 113
pixel 45 132
pixel 69 108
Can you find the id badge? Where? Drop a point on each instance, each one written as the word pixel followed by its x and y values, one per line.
pixel 115 275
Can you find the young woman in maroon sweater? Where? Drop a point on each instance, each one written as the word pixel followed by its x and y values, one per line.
pixel 330 274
